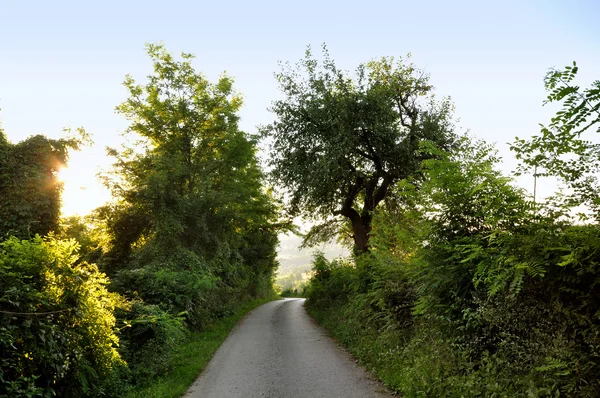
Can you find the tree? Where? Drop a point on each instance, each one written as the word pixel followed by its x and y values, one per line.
pixel 189 159
pixel 191 215
pixel 339 143
pixel 29 188
pixel 186 139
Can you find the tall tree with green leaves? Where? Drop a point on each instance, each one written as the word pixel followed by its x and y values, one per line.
pixel 185 137
pixel 189 190
pixel 339 143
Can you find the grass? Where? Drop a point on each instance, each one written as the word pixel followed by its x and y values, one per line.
pixel 424 362
pixel 410 368
pixel 193 355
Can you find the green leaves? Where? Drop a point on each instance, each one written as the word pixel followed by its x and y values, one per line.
pixel 192 228
pixel 56 320
pixel 195 165
pixel 340 142
pixel 564 148
pixel 29 189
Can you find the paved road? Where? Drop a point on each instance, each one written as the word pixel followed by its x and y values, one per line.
pixel 278 351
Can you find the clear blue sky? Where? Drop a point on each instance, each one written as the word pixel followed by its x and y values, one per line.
pixel 62 62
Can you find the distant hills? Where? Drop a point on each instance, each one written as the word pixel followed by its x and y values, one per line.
pixel 293 259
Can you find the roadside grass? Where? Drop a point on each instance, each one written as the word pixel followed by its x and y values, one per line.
pixel 190 358
pixel 422 362
pixel 386 355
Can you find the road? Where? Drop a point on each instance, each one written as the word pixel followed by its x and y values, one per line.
pixel 277 351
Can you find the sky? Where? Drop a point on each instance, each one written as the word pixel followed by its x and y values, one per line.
pixel 62 62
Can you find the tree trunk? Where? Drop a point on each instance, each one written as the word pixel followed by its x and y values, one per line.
pixel 361 222
pixel 361 228
pixel 361 232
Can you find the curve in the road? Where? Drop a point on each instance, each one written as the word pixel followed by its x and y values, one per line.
pixel 277 351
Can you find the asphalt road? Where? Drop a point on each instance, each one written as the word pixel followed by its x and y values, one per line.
pixel 277 351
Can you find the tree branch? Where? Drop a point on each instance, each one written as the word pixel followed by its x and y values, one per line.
pixel 372 156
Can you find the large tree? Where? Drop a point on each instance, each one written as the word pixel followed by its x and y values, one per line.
pixel 190 201
pixel 340 142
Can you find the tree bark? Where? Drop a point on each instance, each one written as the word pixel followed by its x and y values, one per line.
pixel 361 228
pixel 361 222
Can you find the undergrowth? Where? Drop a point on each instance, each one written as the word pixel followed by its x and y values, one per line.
pixel 192 355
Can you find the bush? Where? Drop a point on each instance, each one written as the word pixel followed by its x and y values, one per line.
pixel 182 291
pixel 332 280
pixel 293 292
pixel 57 326
pixel 470 290
pixel 149 336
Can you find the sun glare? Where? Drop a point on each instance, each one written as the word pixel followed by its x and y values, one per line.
pixel 81 192
pixel 63 174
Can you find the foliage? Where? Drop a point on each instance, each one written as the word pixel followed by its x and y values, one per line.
pixel 191 233
pixel 293 280
pixel 29 189
pixel 564 148
pixel 339 143
pixel 192 221
pixel 472 218
pixel 192 169
pixel 149 335
pixel 56 321
pixel 498 273
pixel 293 292
pixel 89 233
pixel 469 289
pixel 460 285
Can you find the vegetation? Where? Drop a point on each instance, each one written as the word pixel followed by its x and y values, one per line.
pixel 190 236
pixel 30 200
pixel 460 284
pixel 293 292
pixel 471 288
pixel 293 282
pixel 565 148
pixel 57 327
pixel 339 143
pixel 192 355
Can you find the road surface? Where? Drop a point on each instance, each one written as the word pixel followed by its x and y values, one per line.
pixel 277 351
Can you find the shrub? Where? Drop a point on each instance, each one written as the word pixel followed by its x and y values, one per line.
pixel 149 335
pixel 56 324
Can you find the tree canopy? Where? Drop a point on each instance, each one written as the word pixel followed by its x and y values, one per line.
pixel 460 284
pixel 339 142
pixel 29 187
pixel 189 158
pixel 191 214
pixel 189 236
pixel 471 288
